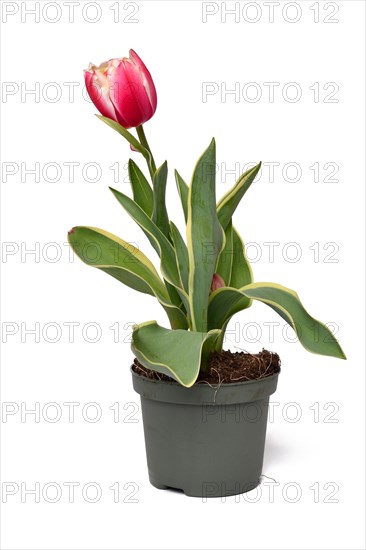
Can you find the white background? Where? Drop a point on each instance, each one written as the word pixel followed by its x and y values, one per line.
pixel 315 436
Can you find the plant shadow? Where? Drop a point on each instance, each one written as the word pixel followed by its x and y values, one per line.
pixel 275 452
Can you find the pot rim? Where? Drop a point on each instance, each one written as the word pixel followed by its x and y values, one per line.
pixel 202 383
pixel 205 394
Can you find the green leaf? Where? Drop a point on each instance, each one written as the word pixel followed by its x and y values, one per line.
pixel 160 214
pixel 226 301
pixel 183 191
pixel 205 236
pixel 312 334
pixel 241 272
pixel 175 297
pixel 126 134
pixel 142 191
pixel 232 259
pixel 223 304
pixel 177 353
pixel 225 262
pixel 124 262
pixel 161 244
pixel 228 203
pixel 181 254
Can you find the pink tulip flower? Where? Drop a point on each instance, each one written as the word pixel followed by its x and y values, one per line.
pixel 217 282
pixel 123 90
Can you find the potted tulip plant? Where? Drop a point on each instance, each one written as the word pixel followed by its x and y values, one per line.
pixel 200 432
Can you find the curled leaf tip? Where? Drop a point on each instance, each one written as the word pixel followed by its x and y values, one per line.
pixel 72 230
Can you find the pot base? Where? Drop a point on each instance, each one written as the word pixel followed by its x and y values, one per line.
pixel 210 490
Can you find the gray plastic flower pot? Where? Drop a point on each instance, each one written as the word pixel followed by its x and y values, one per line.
pixel 204 440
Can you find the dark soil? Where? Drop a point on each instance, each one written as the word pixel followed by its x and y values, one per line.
pixel 225 367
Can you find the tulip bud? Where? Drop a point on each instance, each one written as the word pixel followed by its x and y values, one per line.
pixel 217 282
pixel 122 90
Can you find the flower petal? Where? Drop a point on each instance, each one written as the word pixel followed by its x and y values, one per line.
pixel 128 95
pixel 98 90
pixel 147 79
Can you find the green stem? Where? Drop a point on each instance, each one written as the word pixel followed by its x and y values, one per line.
pixel 144 143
